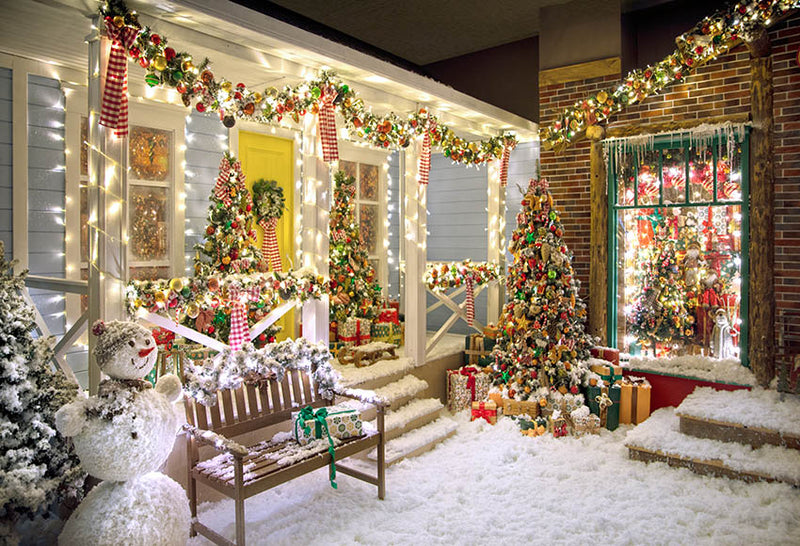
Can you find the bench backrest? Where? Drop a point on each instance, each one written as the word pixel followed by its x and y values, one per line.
pixel 254 406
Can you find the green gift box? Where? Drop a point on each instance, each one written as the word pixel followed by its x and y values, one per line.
pixel 339 422
pixel 610 374
pixel 388 332
pixel 478 350
pixel 609 416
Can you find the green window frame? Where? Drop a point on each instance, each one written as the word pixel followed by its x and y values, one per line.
pixel 675 141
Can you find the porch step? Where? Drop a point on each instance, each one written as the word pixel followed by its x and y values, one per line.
pixel 415 414
pixel 417 441
pixel 659 439
pixel 400 392
pixel 375 376
pixel 756 418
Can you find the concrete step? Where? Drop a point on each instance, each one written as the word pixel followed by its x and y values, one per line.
pixel 660 439
pixel 417 441
pixel 399 393
pixel 375 376
pixel 415 414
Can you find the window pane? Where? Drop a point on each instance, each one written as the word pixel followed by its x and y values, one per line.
pixel 369 182
pixel 84 146
pixel 148 214
pixel 647 178
pixel 368 224
pixel 349 168
pixel 673 172
pixel 626 173
pixel 729 174
pixel 701 175
pixel 84 224
pixel 149 273
pixel 150 154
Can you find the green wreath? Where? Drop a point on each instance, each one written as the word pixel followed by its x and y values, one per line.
pixel 268 200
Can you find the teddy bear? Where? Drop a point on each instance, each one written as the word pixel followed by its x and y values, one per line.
pixel 122 436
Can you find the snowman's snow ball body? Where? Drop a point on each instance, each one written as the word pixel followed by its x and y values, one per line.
pixel 123 435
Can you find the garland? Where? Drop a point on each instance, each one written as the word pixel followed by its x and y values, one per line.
pixel 197 84
pixel 202 302
pixel 709 38
pixel 231 369
pixel 440 277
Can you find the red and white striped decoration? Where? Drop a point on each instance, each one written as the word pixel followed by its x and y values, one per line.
pixel 114 109
pixel 269 245
pixel 424 162
pixel 470 301
pixel 327 126
pixel 504 163
pixel 239 330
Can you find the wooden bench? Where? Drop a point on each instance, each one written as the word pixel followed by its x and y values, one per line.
pixel 244 472
pixel 366 355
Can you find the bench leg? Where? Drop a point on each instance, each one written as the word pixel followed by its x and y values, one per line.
pixel 381 456
pixel 239 500
pixel 191 484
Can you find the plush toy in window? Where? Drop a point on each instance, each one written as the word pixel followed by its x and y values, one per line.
pixel 122 436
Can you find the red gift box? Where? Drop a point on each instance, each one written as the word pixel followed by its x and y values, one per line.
pixel 606 353
pixel 388 315
pixel 485 410
pixel 394 304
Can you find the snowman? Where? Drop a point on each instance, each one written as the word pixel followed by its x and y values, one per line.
pixel 122 436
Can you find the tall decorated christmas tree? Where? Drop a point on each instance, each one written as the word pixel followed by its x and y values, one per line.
pixel 353 284
pixel 229 245
pixel 542 348
pixel 37 464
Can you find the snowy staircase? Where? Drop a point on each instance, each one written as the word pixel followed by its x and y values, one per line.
pixel 746 435
pixel 413 424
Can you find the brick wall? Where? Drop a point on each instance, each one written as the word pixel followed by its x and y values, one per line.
pixel 720 88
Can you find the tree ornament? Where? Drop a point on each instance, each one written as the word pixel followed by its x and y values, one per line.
pixel 159 62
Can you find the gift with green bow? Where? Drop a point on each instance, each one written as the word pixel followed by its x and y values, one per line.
pixel 333 421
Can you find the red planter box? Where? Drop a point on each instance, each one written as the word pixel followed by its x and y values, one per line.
pixel 670 390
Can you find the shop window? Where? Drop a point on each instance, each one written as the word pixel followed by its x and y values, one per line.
pixel 678 248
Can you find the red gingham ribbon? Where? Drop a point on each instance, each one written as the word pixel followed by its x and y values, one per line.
pixel 424 162
pixel 221 190
pixel 338 236
pixel 239 329
pixel 541 183
pixel 470 301
pixel 327 126
pixel 269 245
pixel 114 110
pixel 504 164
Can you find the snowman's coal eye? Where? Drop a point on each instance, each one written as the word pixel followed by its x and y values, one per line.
pixel 131 343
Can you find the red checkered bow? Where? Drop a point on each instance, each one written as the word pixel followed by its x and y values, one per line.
pixel 238 302
pixel 338 236
pixel 269 245
pixel 504 163
pixel 470 300
pixel 327 125
pixel 114 110
pixel 541 183
pixel 424 162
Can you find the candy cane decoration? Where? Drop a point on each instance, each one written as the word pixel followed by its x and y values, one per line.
pixel 424 162
pixel 269 245
pixel 504 163
pixel 470 301
pixel 114 110
pixel 327 126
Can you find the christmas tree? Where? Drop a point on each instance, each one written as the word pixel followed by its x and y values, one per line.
pixel 660 312
pixel 37 464
pixel 542 348
pixel 230 239
pixel 353 285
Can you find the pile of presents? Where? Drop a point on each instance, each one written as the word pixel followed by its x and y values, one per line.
pixel 354 331
pixel 611 398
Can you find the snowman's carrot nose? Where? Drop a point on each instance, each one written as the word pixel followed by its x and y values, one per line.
pixel 144 352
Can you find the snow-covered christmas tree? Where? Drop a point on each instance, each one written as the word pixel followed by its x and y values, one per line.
pixel 353 284
pixel 543 347
pixel 229 245
pixel 37 464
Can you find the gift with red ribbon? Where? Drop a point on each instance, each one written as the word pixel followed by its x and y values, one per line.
pixel 608 354
pixel 388 314
pixel 355 331
pixel 485 410
pixel 465 386
pixel 327 125
pixel 114 108
pixel 238 300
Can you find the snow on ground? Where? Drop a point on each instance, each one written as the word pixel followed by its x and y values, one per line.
pixel 755 408
pixel 491 485
pixel 699 367
pixel 661 433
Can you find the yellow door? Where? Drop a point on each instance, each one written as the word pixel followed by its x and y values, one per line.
pixel 272 158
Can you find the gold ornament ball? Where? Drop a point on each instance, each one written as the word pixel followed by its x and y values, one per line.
pixel 226 86
pixel 160 63
pixel 193 310
pixel 257 97
pixel 187 66
pixel 176 284
pixel 118 21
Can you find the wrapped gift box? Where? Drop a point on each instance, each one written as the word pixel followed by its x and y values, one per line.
pixel 609 417
pixel 609 374
pixel 388 332
pixel 394 304
pixel 478 350
pixel 606 353
pixel 342 422
pixel 485 410
pixel 355 331
pixel 388 315
pixel 491 331
pixel 634 403
pixel 465 386
pixel 521 407
pixel 332 332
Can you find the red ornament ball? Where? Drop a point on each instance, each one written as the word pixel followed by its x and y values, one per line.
pixel 234 225
pixel 144 62
pixel 262 337
pixel 248 207
pixel 210 230
pixel 573 389
pixel 155 38
pixel 134 52
pixel 211 329
pixel 201 107
pixel 169 53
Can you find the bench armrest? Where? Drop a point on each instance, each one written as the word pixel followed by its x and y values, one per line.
pixel 368 397
pixel 217 441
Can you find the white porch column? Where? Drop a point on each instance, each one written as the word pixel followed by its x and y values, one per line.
pixel 313 226
pixel 496 206
pixel 415 243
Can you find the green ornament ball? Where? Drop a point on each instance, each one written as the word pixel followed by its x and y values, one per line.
pixel 315 92
pixel 151 79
